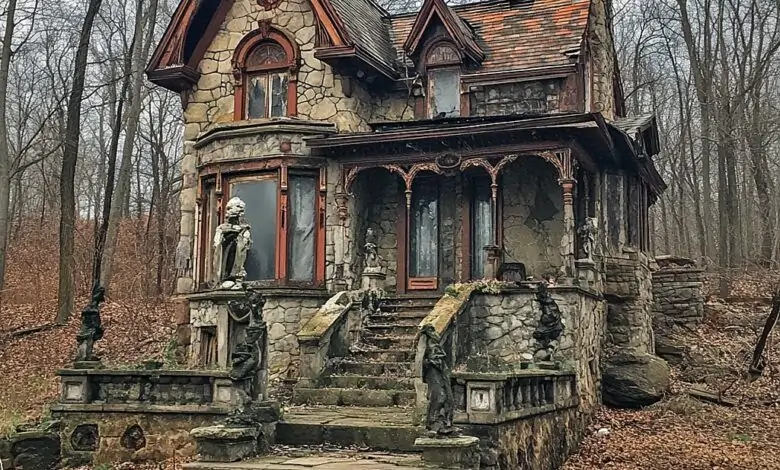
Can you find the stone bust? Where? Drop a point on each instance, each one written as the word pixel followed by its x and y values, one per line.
pixel 232 242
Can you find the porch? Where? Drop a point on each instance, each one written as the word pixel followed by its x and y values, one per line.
pixel 454 220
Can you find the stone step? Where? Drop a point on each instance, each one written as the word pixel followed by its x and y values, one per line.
pixel 304 458
pixel 388 429
pixel 384 355
pixel 407 307
pixel 368 382
pixel 405 342
pixel 379 368
pixel 404 317
pixel 390 329
pixel 353 397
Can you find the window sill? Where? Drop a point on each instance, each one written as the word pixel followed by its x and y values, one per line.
pixel 249 127
pixel 267 291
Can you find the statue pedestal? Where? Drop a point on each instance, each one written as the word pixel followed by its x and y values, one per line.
pixel 373 279
pixel 87 365
pixel 450 452
pixel 587 276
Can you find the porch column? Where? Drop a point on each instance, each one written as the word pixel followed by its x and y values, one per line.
pixel 569 231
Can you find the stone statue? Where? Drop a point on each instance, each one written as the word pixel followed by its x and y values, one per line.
pixel 587 233
pixel 550 324
pixel 232 242
pixel 436 373
pixel 91 328
pixel 370 248
pixel 250 308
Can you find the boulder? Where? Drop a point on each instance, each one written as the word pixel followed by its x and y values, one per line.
pixel 634 380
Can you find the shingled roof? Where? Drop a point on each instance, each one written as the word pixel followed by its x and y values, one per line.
pixel 368 27
pixel 516 34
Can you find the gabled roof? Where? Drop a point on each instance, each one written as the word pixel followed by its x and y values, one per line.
pixel 459 32
pixel 517 34
pixel 368 29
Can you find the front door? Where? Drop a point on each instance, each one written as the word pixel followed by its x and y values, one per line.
pixel 423 244
pixel 482 231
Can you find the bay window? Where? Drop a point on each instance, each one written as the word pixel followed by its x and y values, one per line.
pixel 285 209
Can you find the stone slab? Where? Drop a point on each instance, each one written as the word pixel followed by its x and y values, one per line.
pixel 447 442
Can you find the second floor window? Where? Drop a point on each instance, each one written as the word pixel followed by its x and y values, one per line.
pixel 265 66
pixel 443 69
pixel 267 78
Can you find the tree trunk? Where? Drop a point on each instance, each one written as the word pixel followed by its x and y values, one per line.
pixel 65 293
pixel 121 197
pixel 5 154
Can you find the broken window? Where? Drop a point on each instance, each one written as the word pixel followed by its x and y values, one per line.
pixel 266 88
pixel 443 70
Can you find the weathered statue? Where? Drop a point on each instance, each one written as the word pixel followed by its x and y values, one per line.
pixel 232 242
pixel 587 233
pixel 550 324
pixel 436 373
pixel 250 308
pixel 91 328
pixel 370 248
pixel 246 359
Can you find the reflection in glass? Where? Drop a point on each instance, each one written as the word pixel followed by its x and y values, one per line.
pixel 279 95
pixel 445 92
pixel 481 226
pixel 302 199
pixel 260 196
pixel 424 230
pixel 257 92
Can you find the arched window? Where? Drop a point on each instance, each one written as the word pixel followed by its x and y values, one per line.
pixel 442 66
pixel 265 67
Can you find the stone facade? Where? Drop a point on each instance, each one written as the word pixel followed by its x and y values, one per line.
pixel 284 315
pixel 537 96
pixel 501 327
pixel 533 216
pixel 678 295
pixel 629 293
pixel 602 66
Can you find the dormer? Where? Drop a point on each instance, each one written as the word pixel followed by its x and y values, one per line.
pixel 438 22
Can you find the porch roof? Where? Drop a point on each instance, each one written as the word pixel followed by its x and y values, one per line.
pixel 604 143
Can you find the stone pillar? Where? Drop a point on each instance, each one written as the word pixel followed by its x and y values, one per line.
pixel 569 231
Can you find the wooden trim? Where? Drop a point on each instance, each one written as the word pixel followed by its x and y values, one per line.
pixel 283 226
pixel 402 237
pixel 332 23
pixel 450 21
pixel 253 165
pixel 210 33
pixel 465 101
pixel 466 229
pixel 509 76
pixel 423 283
pixel 319 245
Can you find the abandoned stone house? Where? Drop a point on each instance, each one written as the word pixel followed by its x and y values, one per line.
pixel 481 141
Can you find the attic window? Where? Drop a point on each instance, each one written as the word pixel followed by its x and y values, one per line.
pixel 442 64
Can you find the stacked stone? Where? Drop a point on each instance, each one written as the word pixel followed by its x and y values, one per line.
pixel 678 294
pixel 629 293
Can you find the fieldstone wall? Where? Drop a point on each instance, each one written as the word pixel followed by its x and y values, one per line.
pixel 502 328
pixel 284 314
pixel 629 293
pixel 602 64
pixel 30 450
pixel 678 294
pixel 533 216
pixel 536 96
pixel 537 443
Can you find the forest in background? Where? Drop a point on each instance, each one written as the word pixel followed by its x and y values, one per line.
pixel 87 144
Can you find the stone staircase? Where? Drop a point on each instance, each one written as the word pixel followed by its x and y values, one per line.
pixel 365 399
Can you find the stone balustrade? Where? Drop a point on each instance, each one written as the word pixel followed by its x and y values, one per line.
pixel 490 398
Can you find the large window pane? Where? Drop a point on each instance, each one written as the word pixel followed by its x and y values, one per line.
pixel 278 95
pixel 424 233
pixel 256 99
pixel 482 226
pixel 260 196
pixel 301 235
pixel 210 214
pixel 445 93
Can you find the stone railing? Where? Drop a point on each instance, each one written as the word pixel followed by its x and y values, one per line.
pixel 144 388
pixel 490 398
pixel 448 317
pixel 324 336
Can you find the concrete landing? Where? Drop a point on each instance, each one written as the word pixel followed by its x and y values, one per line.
pixel 376 428
pixel 341 460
